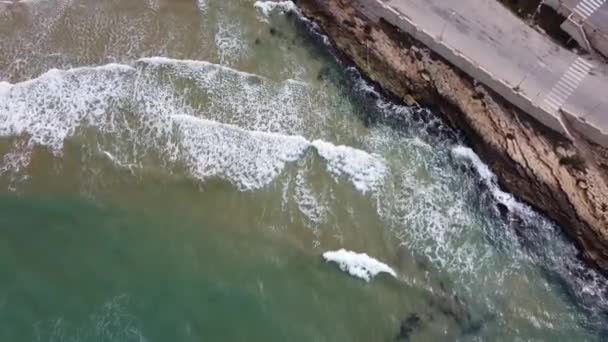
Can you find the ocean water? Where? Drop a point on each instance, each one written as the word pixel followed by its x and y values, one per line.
pixel 209 171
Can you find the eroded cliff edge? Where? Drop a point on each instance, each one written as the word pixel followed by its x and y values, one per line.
pixel 565 180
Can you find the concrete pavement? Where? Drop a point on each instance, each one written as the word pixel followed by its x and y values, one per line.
pixel 485 40
pixel 589 15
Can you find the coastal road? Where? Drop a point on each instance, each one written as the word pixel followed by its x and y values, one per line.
pixel 494 46
pixel 591 15
pixel 592 12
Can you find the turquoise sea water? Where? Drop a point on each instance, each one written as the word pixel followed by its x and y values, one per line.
pixel 175 170
pixel 129 275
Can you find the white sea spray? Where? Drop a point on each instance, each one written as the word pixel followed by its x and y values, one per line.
pixel 358 265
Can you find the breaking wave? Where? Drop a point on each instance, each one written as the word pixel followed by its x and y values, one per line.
pixel 265 8
pixel 134 113
pixel 364 170
pixel 358 265
pixel 490 180
pixel 544 245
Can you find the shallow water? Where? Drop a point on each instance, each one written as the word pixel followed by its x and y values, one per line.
pixel 175 170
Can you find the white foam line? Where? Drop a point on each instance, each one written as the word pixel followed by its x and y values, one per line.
pixel 358 265
pixel 202 5
pixel 167 60
pixel 364 170
pixel 248 159
pixel 194 63
pixel 489 178
pixel 5 87
pixel 211 123
pixel 54 73
pixel 267 7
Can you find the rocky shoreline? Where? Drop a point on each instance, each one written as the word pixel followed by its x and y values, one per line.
pixel 568 181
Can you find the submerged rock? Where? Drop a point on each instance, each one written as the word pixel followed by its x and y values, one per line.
pixel 408 326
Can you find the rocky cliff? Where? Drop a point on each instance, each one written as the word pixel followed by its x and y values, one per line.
pixel 565 180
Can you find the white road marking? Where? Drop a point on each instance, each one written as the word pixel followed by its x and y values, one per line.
pixel 586 8
pixel 567 84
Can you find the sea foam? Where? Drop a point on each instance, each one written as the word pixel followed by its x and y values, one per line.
pixel 5 87
pixel 50 107
pixel 247 159
pixel 489 178
pixel 230 46
pixel 265 8
pixel 358 265
pixel 364 170
pixel 139 116
pixel 202 5
pixel 256 103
